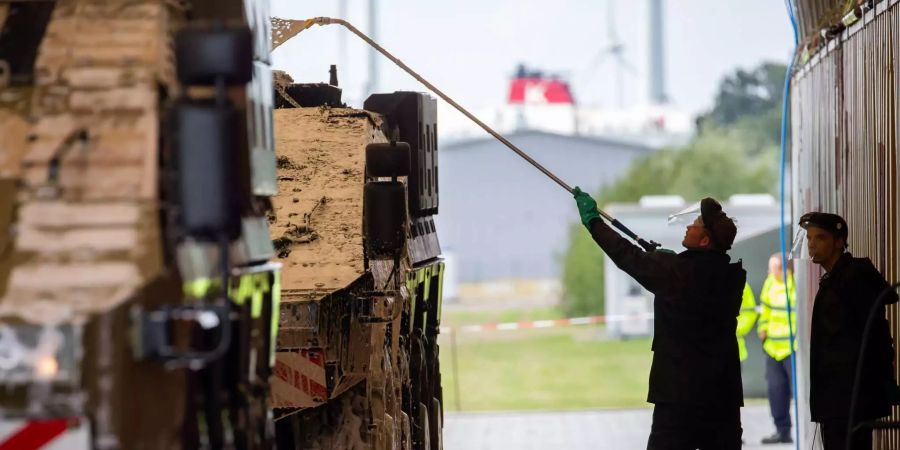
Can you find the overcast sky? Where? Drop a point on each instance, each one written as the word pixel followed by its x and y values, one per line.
pixel 470 48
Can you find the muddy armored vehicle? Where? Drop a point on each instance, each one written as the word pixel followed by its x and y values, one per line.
pixel 146 219
pixel 138 303
pixel 356 364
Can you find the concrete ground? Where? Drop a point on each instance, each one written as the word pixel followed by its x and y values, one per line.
pixel 579 430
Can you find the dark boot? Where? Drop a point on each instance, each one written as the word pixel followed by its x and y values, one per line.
pixel 779 438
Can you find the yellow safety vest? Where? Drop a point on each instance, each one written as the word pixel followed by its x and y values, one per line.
pixel 745 320
pixel 773 317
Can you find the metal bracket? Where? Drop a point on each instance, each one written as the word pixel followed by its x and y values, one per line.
pixel 153 334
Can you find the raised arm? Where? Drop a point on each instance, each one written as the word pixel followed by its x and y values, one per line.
pixel 656 271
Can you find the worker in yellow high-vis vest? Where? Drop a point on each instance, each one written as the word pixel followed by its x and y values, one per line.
pixel 775 328
pixel 745 320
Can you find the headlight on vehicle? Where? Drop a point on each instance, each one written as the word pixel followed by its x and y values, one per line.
pixel 33 353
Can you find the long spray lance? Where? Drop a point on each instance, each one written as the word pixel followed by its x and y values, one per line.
pixel 284 29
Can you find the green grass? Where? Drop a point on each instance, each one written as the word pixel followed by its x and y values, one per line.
pixel 556 369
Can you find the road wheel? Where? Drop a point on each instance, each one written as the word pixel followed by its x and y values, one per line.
pixel 423 433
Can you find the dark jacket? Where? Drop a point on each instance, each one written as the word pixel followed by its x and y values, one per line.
pixel 698 298
pixel 846 294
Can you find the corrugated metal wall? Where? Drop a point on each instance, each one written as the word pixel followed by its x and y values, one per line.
pixel 814 176
pixel 845 159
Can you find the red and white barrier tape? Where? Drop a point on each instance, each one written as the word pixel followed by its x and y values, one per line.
pixel 35 434
pixel 528 325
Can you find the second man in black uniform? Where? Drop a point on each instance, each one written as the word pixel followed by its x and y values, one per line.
pixel 847 292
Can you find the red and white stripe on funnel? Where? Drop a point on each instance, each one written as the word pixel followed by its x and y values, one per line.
pixel 535 90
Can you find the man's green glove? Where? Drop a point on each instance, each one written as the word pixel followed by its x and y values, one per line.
pixel 587 207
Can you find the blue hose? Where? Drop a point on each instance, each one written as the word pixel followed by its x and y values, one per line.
pixel 784 266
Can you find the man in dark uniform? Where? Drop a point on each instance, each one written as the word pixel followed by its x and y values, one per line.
pixel 847 292
pixel 695 378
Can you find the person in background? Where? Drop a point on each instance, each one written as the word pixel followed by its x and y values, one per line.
pixel 745 321
pixel 775 329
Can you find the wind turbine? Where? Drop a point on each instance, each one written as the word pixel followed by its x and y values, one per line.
pixel 613 51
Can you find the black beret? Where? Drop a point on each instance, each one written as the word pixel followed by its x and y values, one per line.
pixel 719 226
pixel 832 223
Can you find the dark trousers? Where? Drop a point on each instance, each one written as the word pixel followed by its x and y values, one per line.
pixel 778 379
pixel 689 427
pixel 834 436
